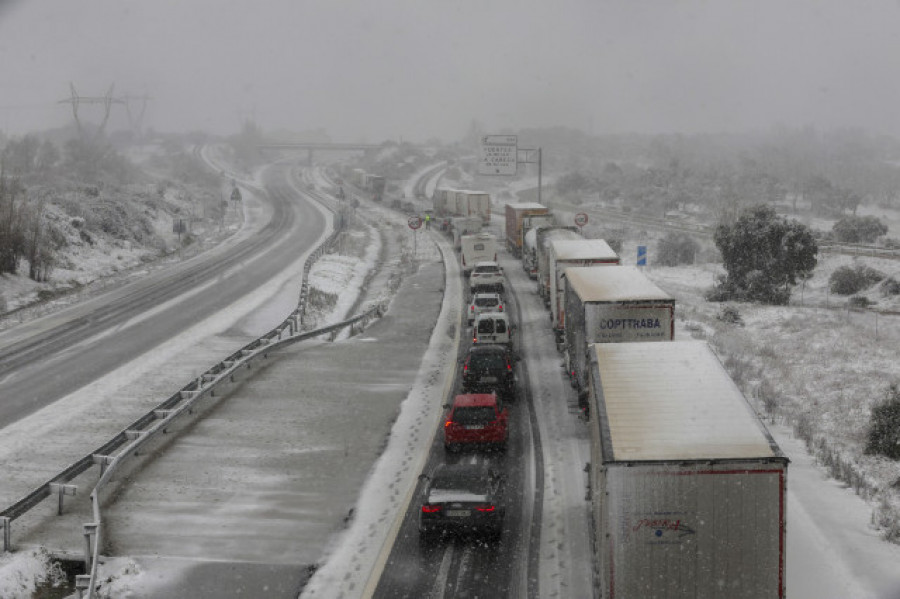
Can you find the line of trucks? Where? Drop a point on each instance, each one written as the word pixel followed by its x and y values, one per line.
pixel 687 487
pixel 368 181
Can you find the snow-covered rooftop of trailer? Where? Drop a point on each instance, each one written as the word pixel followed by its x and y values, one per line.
pixel 583 249
pixel 614 284
pixel 675 401
pixel 527 206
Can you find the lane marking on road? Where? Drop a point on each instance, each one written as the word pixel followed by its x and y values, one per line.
pixel 439 588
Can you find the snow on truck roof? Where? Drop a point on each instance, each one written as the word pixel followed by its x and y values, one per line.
pixel 582 249
pixel 614 284
pixel 674 401
pixel 527 206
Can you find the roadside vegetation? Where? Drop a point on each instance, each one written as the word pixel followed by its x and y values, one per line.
pixel 74 209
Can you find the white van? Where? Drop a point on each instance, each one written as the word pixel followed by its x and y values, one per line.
pixel 481 247
pixel 492 327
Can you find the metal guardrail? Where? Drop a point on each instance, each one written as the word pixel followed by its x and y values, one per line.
pixel 134 440
pixel 185 405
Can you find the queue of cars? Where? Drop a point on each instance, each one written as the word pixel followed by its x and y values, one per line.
pixel 464 494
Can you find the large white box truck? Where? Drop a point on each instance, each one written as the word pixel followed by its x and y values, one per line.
pixel 543 237
pixel 611 305
pixel 473 203
pixel 563 254
pixel 688 488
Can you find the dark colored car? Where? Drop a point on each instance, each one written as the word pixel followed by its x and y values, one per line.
pixel 464 497
pixel 476 419
pixel 488 368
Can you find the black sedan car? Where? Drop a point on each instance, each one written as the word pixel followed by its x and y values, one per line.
pixel 460 498
pixel 489 368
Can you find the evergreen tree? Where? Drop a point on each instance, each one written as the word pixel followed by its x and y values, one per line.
pixel 764 256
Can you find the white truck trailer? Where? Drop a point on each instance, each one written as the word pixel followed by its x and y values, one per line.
pixel 688 488
pixel 473 203
pixel 611 305
pixel 543 237
pixel 441 199
pixel 575 252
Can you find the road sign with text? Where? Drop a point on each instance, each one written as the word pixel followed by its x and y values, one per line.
pixel 498 155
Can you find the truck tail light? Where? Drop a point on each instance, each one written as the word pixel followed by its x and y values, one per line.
pixel 483 508
pixel 430 509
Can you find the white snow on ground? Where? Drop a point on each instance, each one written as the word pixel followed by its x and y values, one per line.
pixel 20 572
pixel 344 276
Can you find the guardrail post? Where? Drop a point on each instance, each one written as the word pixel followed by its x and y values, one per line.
pixel 104 461
pixel 90 537
pixel 62 490
pixel 82 583
pixel 6 524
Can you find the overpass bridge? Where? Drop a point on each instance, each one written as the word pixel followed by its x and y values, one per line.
pixel 311 147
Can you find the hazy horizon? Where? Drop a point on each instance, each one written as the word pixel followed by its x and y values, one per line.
pixel 371 71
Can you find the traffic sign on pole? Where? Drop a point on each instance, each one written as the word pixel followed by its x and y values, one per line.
pixel 414 222
pixel 642 255
pixel 499 155
pixel 581 219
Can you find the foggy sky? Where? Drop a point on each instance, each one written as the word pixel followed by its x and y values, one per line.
pixel 370 70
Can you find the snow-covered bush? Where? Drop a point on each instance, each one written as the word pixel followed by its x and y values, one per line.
pixel 884 430
pixel 730 315
pixel 847 280
pixel 890 286
pixel 859 301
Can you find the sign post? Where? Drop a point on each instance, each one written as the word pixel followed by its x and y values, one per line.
pixel 642 255
pixel 414 223
pixel 499 154
pixel 581 220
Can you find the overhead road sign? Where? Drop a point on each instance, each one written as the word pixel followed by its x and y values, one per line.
pixel 498 155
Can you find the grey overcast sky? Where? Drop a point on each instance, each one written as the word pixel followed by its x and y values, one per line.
pixel 371 70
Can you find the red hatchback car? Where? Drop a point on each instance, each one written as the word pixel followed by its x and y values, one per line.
pixel 476 419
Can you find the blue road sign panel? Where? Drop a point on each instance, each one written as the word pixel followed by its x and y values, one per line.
pixel 642 255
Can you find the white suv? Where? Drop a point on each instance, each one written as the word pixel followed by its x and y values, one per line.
pixel 483 302
pixel 486 276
